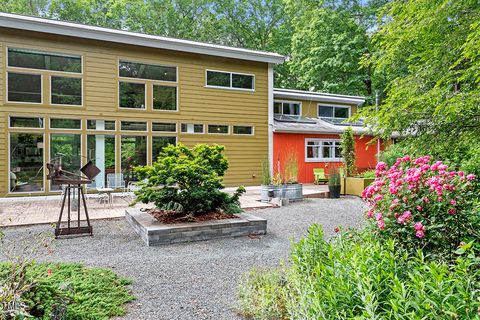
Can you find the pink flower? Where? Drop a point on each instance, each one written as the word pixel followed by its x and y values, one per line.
pixel 471 177
pixel 379 216
pixel 419 226
pixel 452 211
pixel 401 219
pixel 381 224
pixel 381 166
pixel 406 158
pixel 406 215
pixel 426 200
pixel 378 197
pixel 420 234
pixel 419 208
pixel 370 213
pixel 453 202
pixel 461 173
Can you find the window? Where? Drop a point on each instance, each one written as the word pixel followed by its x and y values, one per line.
pixel 101 151
pixel 133 126
pixel 158 143
pixel 164 127
pixel 65 123
pixel 24 87
pixel 248 130
pixel 147 71
pixel 339 112
pixel 323 150
pixel 230 80
pixel 66 149
pixel 26 162
pixel 217 129
pixel 66 90
pixel 107 125
pixel 133 154
pixel 25 122
pixel 164 98
pixel 132 95
pixel 23 58
pixel 287 107
pixel 191 128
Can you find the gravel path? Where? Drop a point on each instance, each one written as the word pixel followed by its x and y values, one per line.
pixel 196 280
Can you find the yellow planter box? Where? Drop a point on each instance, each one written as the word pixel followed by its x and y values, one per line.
pixel 354 186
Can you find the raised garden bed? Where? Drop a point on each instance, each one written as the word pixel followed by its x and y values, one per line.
pixel 154 232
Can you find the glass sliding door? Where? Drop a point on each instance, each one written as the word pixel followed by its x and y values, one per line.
pixel 133 153
pixel 26 162
pixel 66 148
pixel 101 151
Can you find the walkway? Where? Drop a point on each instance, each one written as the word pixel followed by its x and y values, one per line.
pixel 45 209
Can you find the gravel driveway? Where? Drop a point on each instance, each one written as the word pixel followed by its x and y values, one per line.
pixel 197 280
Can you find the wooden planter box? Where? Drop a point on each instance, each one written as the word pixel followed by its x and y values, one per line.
pixel 154 232
pixel 355 186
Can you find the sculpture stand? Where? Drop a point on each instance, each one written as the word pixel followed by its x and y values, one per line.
pixel 71 228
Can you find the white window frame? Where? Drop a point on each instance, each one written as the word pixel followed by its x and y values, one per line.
pixel 203 128
pixel 96 130
pixel 28 73
pixel 320 145
pixel 287 101
pixel 334 106
pixel 219 133
pixel 150 63
pixel 65 105
pixel 243 134
pixel 231 82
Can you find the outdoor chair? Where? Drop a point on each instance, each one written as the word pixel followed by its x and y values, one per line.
pixel 116 181
pixel 320 177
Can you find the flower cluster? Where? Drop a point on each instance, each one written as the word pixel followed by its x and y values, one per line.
pixel 417 198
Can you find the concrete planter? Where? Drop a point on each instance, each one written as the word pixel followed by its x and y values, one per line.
pixel 354 185
pixel 292 192
pixel 154 232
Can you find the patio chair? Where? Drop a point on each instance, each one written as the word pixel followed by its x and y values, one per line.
pixel 320 177
pixel 116 181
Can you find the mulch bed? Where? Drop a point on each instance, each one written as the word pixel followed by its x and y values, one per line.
pixel 172 217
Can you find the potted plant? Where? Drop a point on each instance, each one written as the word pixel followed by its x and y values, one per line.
pixel 271 187
pixel 334 183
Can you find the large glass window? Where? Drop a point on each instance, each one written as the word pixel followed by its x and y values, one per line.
pixel 132 95
pixel 158 143
pixel 24 87
pixel 286 107
pixel 338 112
pixel 24 58
pixel 230 80
pixel 26 122
pixel 323 150
pixel 26 162
pixel 164 98
pixel 147 71
pixel 65 148
pixel 101 151
pixel 133 153
pixel 66 90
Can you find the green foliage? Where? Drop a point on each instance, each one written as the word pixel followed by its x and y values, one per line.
pixel 348 151
pixel 73 290
pixel 266 177
pixel 188 180
pixel 334 177
pixel 355 276
pixel 370 174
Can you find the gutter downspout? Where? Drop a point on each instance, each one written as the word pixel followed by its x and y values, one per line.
pixel 270 117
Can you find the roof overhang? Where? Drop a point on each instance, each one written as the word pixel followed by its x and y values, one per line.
pixel 317 96
pixel 63 28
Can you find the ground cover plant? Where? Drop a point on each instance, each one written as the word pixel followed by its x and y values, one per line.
pixel 399 266
pixel 63 291
pixel 186 183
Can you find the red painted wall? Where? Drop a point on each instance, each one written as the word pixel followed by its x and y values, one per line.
pixel 284 143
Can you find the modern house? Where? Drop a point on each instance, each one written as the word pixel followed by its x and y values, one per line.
pixel 74 93
pixel 77 93
pixel 308 125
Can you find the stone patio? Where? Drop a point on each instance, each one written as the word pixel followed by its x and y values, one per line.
pixel 45 209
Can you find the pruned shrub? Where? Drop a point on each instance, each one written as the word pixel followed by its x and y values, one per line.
pixel 188 181
pixel 423 205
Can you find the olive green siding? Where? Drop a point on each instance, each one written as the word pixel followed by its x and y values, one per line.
pixel 196 103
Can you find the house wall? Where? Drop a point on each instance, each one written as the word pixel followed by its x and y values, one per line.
pixel 309 107
pixel 285 143
pixel 196 103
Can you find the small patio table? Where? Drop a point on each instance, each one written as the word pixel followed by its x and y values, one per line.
pixel 108 192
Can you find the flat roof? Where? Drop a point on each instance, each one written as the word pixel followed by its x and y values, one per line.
pixel 22 22
pixel 317 96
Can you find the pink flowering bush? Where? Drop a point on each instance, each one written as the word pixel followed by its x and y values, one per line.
pixel 423 205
